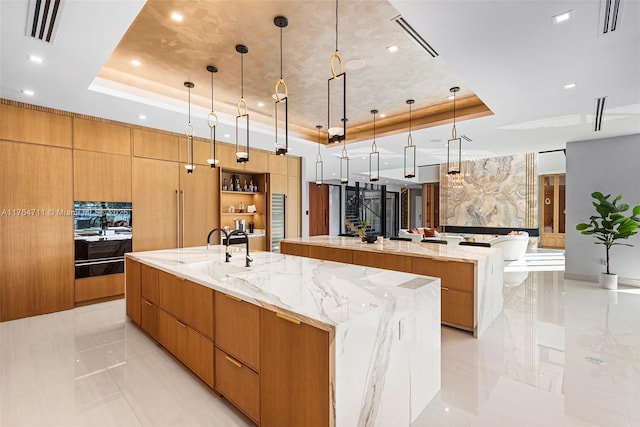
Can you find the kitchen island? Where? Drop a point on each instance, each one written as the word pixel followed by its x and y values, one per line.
pixel 293 341
pixel 471 277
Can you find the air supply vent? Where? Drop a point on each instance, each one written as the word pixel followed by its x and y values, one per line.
pixel 609 10
pixel 599 113
pixel 43 17
pixel 408 29
pixel 466 138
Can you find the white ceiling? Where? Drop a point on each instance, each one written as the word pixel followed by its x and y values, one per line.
pixel 508 52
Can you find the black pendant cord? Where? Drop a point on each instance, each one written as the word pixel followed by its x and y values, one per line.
pixel 213 128
pixel 280 53
pixel 189 97
pixel 242 75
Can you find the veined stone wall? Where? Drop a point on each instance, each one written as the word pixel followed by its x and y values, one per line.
pixel 496 192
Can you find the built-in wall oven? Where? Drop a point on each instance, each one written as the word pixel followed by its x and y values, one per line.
pixel 102 234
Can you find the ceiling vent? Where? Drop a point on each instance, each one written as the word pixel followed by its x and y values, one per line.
pixel 599 113
pixel 408 29
pixel 466 138
pixel 609 10
pixel 43 17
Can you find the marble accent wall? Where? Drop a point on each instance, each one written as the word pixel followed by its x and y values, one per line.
pixel 496 192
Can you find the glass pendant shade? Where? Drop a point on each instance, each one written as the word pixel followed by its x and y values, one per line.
pixel 344 167
pixel 212 122
pixel 242 119
pixel 319 163
pixel 410 149
pixel 374 156
pixel 189 131
pixel 281 105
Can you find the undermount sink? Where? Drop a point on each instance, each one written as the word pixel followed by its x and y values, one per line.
pixel 216 270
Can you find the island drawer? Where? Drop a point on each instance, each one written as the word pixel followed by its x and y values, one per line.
pixel 237 326
pixel 149 318
pixel 150 284
pixel 238 384
pixel 457 308
pixel 453 274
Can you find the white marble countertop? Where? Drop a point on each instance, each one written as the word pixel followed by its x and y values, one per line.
pixel 428 250
pixel 325 294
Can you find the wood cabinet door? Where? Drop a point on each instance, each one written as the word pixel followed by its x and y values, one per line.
pixel 149 284
pixel 318 209
pixel 149 318
pixel 198 307
pixel 294 373
pixel 155 196
pixel 171 294
pixel 237 383
pixel 101 176
pixel 292 210
pixel 457 307
pixel 197 208
pixel 199 355
pixel 36 230
pixel 132 289
pixel 95 135
pixel 238 329
pixel 38 127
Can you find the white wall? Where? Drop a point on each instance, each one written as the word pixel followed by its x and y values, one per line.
pixel 551 163
pixel 611 166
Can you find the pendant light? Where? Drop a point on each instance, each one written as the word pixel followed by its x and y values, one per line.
pixel 344 162
pixel 281 98
pixel 189 131
pixel 212 121
pixel 242 149
pixel 454 147
pixel 410 150
pixel 337 105
pixel 374 156
pixel 319 164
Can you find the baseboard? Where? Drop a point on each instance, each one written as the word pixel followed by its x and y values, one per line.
pixel 586 278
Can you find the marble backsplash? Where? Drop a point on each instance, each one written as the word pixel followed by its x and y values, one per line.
pixel 496 192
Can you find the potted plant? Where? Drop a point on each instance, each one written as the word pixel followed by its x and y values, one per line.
pixel 609 226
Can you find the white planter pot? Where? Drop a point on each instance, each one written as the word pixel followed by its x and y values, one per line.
pixel 609 281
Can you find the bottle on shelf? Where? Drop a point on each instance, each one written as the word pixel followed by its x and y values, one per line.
pixel 251 187
pixel 237 184
pixel 246 187
pixel 241 207
pixel 224 185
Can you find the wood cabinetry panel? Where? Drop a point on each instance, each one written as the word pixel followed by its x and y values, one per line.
pixel 99 136
pixel 36 229
pixel 238 329
pixel 294 375
pixel 155 145
pixel 132 289
pixel 380 260
pixel 453 274
pixel 171 294
pixel 226 154
pixel 331 254
pixel 91 288
pixel 149 284
pixel 457 308
pixel 293 207
pixel 101 176
pixel 199 356
pixel 38 127
pixel 149 318
pixel 155 202
pixel 276 164
pixel 201 151
pixel 293 166
pixel 197 307
pixel 294 249
pixel 278 183
pixel 257 161
pixel 238 384
pixel 198 191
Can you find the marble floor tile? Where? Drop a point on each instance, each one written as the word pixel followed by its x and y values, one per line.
pixel 562 353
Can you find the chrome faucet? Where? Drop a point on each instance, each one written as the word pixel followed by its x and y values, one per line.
pixel 247 258
pixel 227 254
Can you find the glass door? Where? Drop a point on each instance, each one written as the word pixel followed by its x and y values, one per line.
pixel 553 210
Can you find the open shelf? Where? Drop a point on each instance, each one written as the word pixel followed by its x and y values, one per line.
pixel 240 192
pixel 243 213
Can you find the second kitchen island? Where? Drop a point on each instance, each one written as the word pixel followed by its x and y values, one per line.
pixel 293 341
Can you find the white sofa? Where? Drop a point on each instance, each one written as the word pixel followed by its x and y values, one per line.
pixel 513 246
pixel 415 237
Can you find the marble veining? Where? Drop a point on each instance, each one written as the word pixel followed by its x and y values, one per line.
pixel 384 326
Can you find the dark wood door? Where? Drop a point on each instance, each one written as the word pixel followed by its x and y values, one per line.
pixel 318 209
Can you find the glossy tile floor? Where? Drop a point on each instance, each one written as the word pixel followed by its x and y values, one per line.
pixel 562 353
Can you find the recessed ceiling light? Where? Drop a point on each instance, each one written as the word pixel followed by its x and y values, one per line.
pixel 450 98
pixel 334 174
pixel 383 115
pixel 36 59
pixel 226 135
pixel 142 117
pixel 355 64
pixel 570 85
pixel 386 163
pixel 393 48
pixel 562 17
pixel 28 92
pixel 364 158
pixel 177 17
pixel 136 63
pixel 260 104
